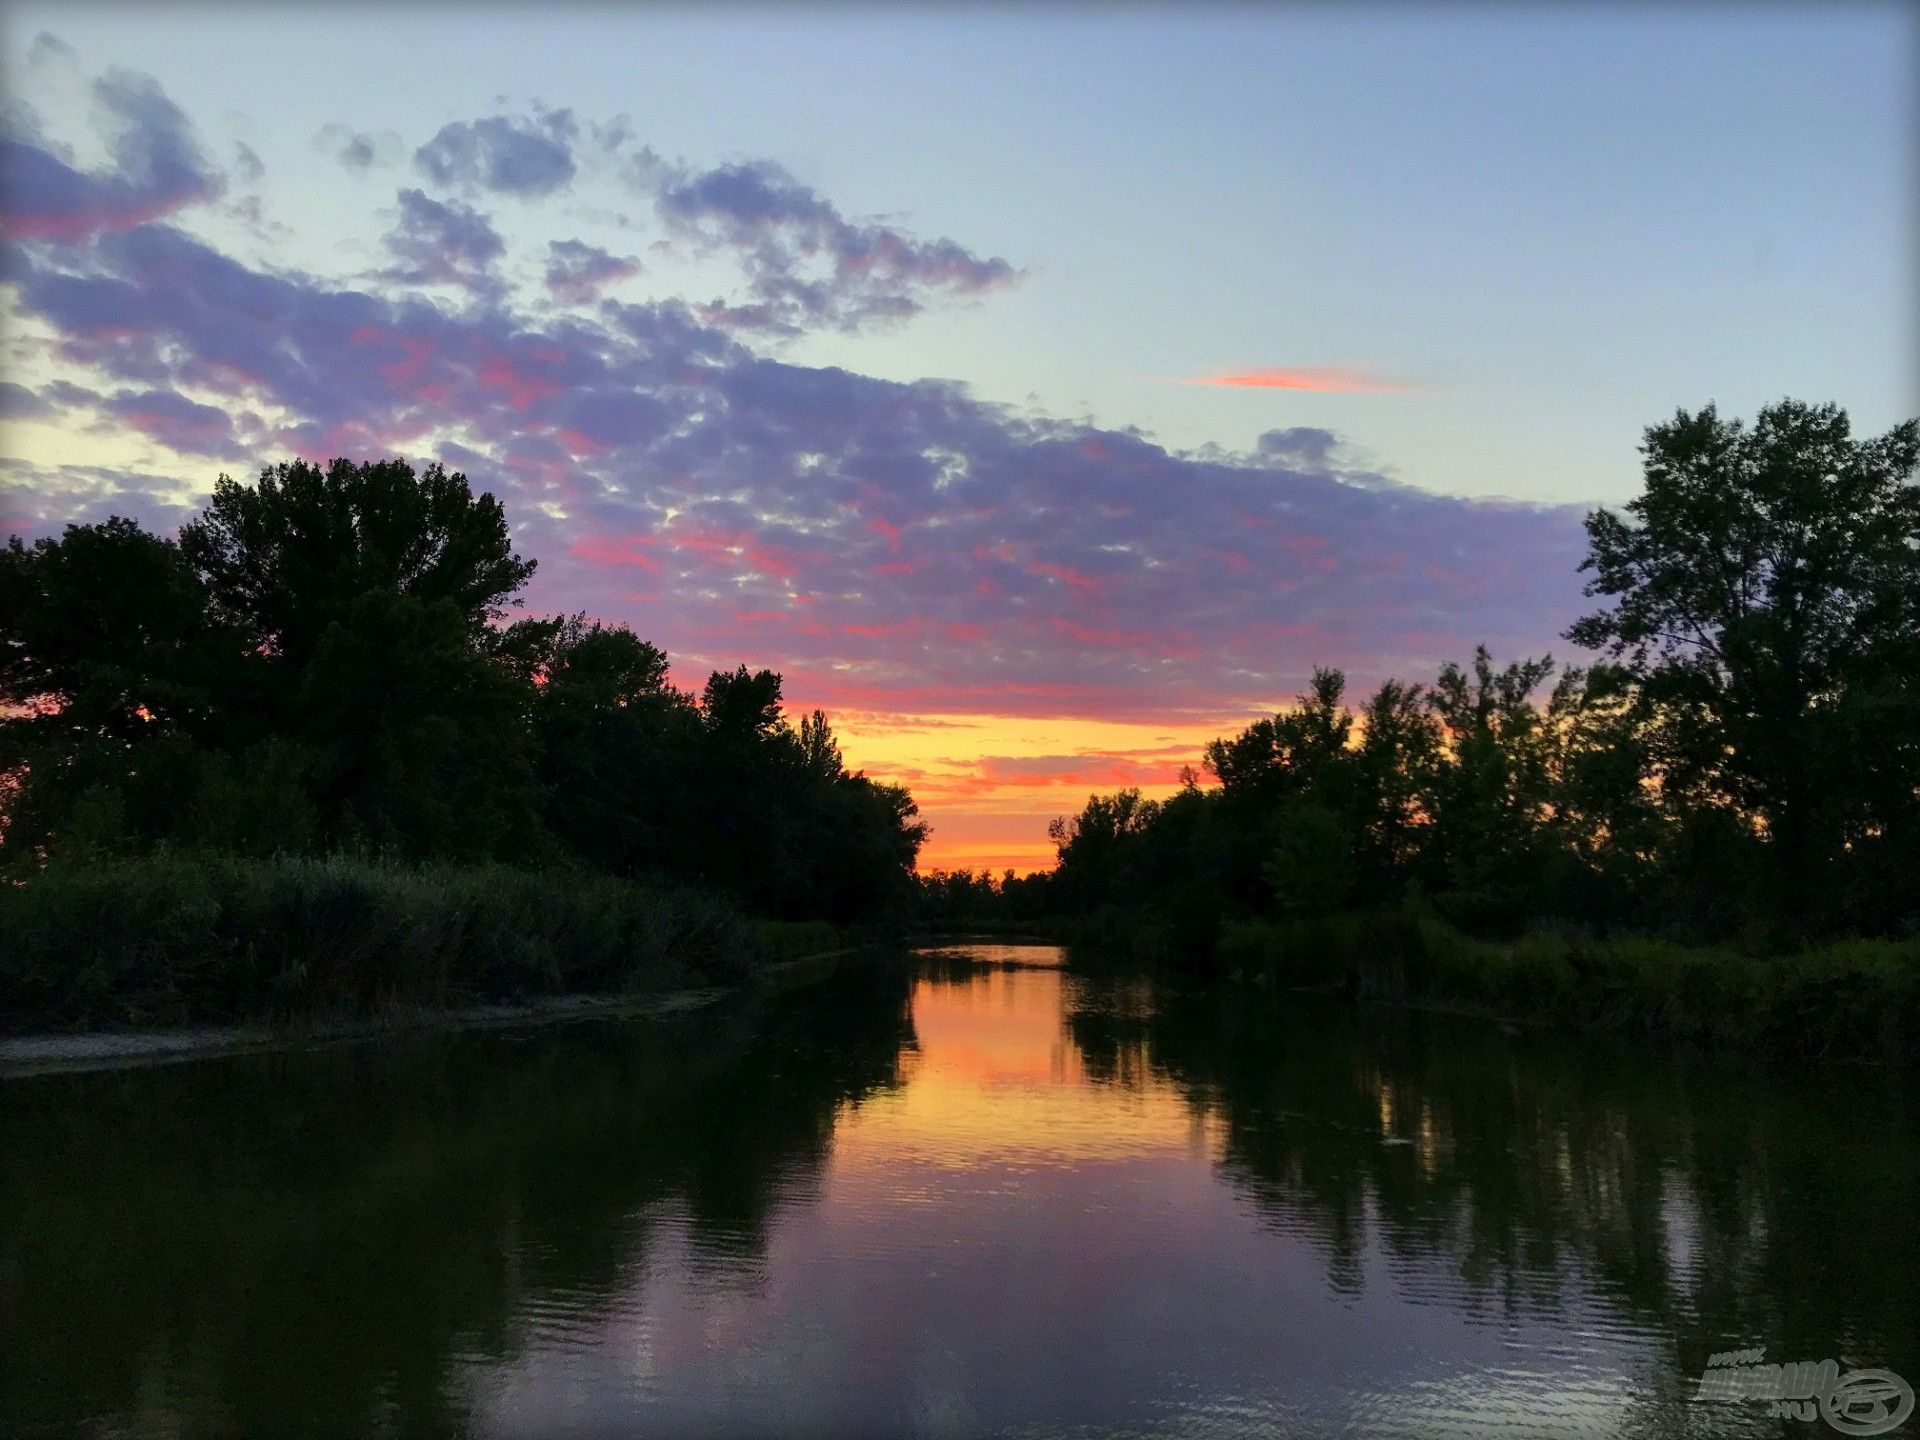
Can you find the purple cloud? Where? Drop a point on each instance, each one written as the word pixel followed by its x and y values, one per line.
pixel 158 168
pixel 518 157
pixel 578 272
pixel 891 546
pixel 172 420
pixel 55 398
pixel 17 402
pixel 865 535
pixel 50 49
pixel 1304 444
pixel 807 265
pixel 42 500
pixel 436 243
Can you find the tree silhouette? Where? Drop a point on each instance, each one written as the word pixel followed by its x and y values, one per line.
pixel 1765 595
pixel 1745 761
pixel 324 662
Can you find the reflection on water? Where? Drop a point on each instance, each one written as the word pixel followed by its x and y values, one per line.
pixel 946 1198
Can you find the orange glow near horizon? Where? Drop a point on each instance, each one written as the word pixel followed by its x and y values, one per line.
pixel 988 784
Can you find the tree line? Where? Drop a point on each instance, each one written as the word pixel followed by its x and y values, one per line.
pixel 1741 762
pixel 323 661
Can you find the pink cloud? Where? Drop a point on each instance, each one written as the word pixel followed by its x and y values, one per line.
pixel 521 389
pixel 1151 642
pixel 1325 379
pixel 734 550
pixel 606 551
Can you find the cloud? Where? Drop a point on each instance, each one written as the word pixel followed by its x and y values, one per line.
pixel 42 500
pixel 806 264
pixel 49 49
pixel 526 157
pixel 1016 776
pixel 436 243
pixel 359 150
pixel 1302 444
pixel 181 425
pixel 158 167
pixel 897 547
pixel 17 402
pixel 1324 379
pixel 578 272
pixel 247 162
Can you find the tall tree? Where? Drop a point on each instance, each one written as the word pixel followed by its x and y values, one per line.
pixel 108 671
pixel 287 556
pixel 106 624
pixel 1764 591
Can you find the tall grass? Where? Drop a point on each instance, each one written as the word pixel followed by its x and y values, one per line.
pixel 1847 999
pixel 173 939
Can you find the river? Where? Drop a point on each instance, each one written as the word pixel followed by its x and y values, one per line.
pixel 970 1193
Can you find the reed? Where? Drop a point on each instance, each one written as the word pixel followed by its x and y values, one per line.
pixel 188 938
pixel 1851 998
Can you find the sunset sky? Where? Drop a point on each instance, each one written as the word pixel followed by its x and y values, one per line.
pixel 1042 391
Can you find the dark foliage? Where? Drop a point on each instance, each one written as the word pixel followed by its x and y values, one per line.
pixel 322 664
pixel 1741 766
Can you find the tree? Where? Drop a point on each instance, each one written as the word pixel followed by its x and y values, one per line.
pixel 324 661
pixel 286 557
pixel 1492 794
pixel 619 750
pixel 420 739
pixel 1398 759
pixel 597 665
pixel 1301 752
pixel 742 706
pixel 107 676
pixel 106 625
pixel 1310 864
pixel 1764 594
pixel 1102 849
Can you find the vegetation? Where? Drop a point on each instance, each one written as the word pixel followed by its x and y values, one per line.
pixel 246 768
pixel 1847 999
pixel 1739 771
pixel 304 757
pixel 172 938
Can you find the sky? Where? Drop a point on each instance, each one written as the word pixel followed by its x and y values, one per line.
pixel 1043 390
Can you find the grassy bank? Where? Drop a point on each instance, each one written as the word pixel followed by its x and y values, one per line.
pixel 1850 999
pixel 178 940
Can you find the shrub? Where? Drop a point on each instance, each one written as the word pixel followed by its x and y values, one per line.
pixel 176 938
pixel 1849 998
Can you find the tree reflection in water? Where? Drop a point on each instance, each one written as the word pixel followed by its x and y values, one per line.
pixel 184 1250
pixel 982 1199
pixel 1498 1171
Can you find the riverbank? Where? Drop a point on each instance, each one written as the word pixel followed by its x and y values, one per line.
pixel 73 1051
pixel 1846 1001
pixel 339 945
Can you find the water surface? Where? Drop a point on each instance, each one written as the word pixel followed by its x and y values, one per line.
pixel 965 1195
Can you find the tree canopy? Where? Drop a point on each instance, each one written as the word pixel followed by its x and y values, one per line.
pixel 1742 761
pixel 324 661
pixel 1764 595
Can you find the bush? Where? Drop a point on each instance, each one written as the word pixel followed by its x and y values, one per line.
pixel 173 938
pixel 775 940
pixel 1847 999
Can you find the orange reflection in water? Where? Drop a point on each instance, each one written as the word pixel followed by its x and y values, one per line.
pixel 996 1080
